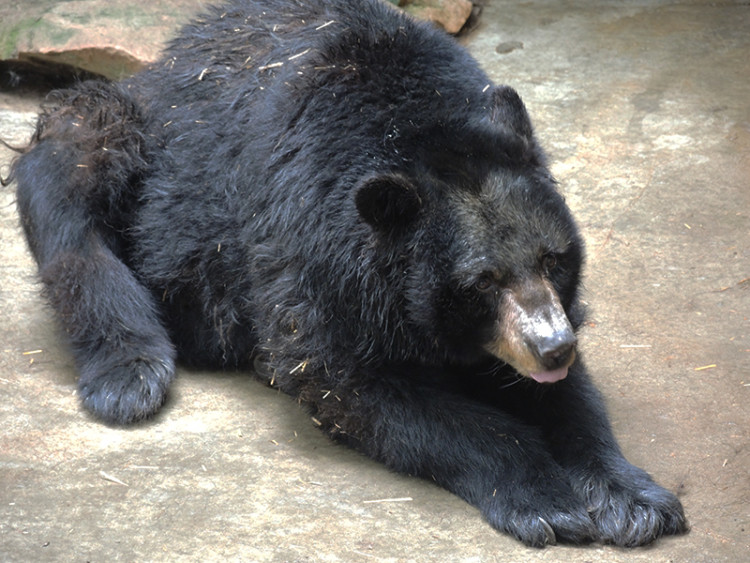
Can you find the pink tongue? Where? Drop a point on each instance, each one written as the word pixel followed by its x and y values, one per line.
pixel 550 376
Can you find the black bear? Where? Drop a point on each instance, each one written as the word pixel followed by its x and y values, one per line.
pixel 336 195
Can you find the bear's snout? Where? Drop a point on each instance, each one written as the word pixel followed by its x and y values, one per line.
pixel 556 350
pixel 534 334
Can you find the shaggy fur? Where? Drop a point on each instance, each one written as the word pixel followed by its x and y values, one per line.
pixel 336 194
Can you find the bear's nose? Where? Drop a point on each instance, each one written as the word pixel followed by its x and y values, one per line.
pixel 555 350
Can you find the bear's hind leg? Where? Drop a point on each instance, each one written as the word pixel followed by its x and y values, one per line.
pixel 122 352
pixel 77 189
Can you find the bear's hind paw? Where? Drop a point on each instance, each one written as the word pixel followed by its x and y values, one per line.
pixel 129 392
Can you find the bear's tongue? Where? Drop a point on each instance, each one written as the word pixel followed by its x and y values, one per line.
pixel 549 376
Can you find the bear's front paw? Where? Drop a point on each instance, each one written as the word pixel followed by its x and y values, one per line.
pixel 128 392
pixel 541 518
pixel 631 510
pixel 549 527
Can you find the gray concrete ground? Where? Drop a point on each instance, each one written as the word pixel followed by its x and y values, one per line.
pixel 645 110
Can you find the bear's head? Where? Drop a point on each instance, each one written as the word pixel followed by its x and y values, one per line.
pixel 489 257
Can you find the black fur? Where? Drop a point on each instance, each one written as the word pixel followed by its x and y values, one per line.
pixel 334 193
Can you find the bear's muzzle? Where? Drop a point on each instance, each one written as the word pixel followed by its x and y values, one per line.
pixel 533 332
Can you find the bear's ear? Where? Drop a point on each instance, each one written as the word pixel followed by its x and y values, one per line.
pixel 507 110
pixel 387 201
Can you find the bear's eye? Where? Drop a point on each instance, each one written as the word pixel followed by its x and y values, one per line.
pixel 549 263
pixel 485 283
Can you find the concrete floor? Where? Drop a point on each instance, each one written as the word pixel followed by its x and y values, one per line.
pixel 645 110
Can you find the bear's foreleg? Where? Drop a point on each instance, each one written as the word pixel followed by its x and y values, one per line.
pixel 487 457
pixel 628 508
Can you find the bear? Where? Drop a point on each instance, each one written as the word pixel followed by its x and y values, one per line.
pixel 336 197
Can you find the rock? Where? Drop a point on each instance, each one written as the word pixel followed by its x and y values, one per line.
pixel 451 15
pixel 116 39
pixel 113 39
